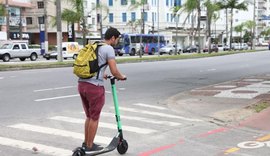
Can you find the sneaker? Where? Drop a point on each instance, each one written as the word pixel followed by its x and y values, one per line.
pixel 84 145
pixel 94 148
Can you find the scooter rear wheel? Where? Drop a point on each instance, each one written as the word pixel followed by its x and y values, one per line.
pixel 122 147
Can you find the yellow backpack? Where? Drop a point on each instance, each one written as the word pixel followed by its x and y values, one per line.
pixel 86 64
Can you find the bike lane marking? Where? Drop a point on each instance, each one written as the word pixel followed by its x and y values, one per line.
pixel 260 142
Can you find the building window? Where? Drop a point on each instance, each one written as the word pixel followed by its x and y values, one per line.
pixel 110 17
pixel 123 2
pixel 145 16
pixel 29 20
pixel 133 16
pixel 110 2
pixel 167 17
pixel 167 2
pixel 124 17
pixel 97 2
pixel 40 5
pixel 41 20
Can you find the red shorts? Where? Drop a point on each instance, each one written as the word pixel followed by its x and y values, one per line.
pixel 93 99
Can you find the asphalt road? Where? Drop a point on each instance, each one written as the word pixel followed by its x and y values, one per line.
pixel 42 109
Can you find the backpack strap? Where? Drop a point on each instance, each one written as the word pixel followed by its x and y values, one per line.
pixel 99 44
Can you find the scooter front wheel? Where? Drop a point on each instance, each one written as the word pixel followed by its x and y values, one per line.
pixel 122 147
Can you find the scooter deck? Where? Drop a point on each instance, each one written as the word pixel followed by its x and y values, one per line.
pixel 113 144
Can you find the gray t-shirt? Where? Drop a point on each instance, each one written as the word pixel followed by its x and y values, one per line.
pixel 105 53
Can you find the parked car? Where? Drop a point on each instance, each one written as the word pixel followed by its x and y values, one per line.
pixel 14 49
pixel 214 48
pixel 190 49
pixel 69 50
pixel 240 46
pixel 169 49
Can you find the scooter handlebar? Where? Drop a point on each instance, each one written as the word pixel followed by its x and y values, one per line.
pixel 113 77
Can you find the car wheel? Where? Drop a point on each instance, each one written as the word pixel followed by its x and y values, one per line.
pixel 132 53
pixel 170 53
pixel 33 57
pixel 120 54
pixel 6 57
pixel 75 56
pixel 22 59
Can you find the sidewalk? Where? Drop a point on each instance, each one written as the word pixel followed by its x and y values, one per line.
pixel 228 102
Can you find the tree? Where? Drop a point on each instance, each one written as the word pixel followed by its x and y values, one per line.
pixel 265 32
pixel 249 25
pixel 137 4
pixel 211 8
pixel 240 29
pixel 2 11
pixel 76 15
pixel 190 6
pixel 232 4
pixel 176 17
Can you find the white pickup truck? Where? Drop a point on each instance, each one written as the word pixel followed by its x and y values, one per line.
pixel 11 50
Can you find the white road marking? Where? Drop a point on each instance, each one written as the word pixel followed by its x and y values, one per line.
pixel 150 106
pixel 169 123
pixel 211 69
pixel 57 97
pixel 1 78
pixel 255 90
pixel 105 125
pixel 225 86
pixel 109 92
pixel 49 89
pixel 47 150
pixel 157 114
pixel 58 132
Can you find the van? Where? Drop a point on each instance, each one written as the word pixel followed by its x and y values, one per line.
pixel 69 50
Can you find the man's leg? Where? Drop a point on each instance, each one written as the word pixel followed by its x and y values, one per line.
pixel 91 130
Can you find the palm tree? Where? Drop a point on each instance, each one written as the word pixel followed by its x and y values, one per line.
pixel 232 4
pixel 239 29
pixel 134 24
pixel 176 16
pixel 265 32
pixel 2 11
pixel 190 6
pixel 250 25
pixel 211 9
pixel 136 4
pixel 76 15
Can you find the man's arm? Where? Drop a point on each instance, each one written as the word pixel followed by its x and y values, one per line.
pixel 115 72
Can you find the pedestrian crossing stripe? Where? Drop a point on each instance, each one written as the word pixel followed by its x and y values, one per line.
pixel 47 150
pixel 141 119
pixel 149 106
pixel 105 125
pixel 58 132
pixel 157 114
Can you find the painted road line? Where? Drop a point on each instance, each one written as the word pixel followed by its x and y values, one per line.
pixel 231 150
pixel 157 114
pixel 151 121
pixel 49 89
pixel 57 97
pixel 149 106
pixel 265 138
pixel 1 78
pixel 58 132
pixel 43 149
pixel 105 125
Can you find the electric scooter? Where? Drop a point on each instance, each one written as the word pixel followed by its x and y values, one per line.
pixel 118 141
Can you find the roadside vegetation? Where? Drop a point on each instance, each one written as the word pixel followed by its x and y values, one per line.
pixel 39 65
pixel 258 107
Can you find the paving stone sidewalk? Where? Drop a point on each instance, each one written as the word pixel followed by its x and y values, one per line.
pixel 227 102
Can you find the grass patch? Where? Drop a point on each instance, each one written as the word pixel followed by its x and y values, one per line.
pixel 258 107
pixel 39 65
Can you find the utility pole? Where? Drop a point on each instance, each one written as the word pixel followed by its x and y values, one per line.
pixel 45 26
pixel 20 24
pixel 254 26
pixel 158 27
pixel 7 19
pixel 59 31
